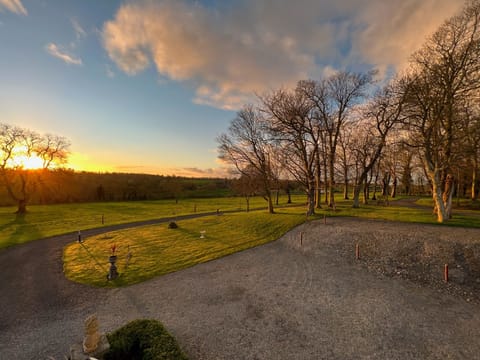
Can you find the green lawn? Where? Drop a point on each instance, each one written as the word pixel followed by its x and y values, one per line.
pixel 48 220
pixel 393 212
pixel 157 250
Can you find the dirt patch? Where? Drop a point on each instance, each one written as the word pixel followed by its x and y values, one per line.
pixel 419 253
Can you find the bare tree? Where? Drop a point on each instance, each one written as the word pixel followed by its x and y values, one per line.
pixel 18 145
pixel 381 115
pixel 294 130
pixel 346 155
pixel 247 145
pixel 471 134
pixel 334 98
pixel 248 184
pixel 445 71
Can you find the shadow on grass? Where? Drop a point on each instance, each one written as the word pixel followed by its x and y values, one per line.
pixel 18 231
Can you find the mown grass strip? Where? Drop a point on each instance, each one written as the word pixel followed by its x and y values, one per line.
pixel 158 250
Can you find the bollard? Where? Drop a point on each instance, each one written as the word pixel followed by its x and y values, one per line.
pixel 79 236
pixel 445 273
pixel 325 219
pixel 301 238
pixel 357 251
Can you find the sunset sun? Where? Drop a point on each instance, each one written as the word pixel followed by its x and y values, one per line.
pixel 28 162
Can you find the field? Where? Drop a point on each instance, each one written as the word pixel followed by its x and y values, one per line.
pixel 157 250
pixel 49 220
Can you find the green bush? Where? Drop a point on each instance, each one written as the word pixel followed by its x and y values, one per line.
pixel 143 340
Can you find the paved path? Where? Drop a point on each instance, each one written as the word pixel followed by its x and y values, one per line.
pixel 277 301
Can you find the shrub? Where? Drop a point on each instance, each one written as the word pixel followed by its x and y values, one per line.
pixel 172 225
pixel 143 339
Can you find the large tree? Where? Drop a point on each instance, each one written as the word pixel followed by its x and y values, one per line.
pixel 247 147
pixel 20 150
pixel 295 132
pixel 333 99
pixel 444 71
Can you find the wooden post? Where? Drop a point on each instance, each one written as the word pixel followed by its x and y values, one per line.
pixel 357 251
pixel 445 273
pixel 301 238
pixel 325 219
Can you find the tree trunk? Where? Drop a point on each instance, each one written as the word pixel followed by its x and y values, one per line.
pixel 22 207
pixel 473 195
pixel 325 180
pixel 345 184
pixel 394 188
pixel 318 181
pixel 311 197
pixel 270 204
pixel 276 197
pixel 345 190
pixel 289 201
pixel 247 199
pixel 447 195
pixel 356 195
pixel 386 182
pixel 439 206
pixel 331 168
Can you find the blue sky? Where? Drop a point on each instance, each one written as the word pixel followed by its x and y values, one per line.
pixel 147 86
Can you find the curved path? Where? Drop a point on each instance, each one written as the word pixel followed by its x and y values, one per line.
pixel 277 301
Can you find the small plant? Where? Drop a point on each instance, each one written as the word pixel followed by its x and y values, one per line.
pixel 172 225
pixel 143 339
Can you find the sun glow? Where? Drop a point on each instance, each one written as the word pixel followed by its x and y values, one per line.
pixel 28 162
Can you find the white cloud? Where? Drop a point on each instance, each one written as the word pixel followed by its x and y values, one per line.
pixel 228 54
pixel 15 6
pixel 80 33
pixel 55 51
pixel 391 33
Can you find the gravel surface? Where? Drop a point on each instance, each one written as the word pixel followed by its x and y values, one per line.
pixel 283 300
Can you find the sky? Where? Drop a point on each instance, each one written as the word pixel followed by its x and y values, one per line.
pixel 147 86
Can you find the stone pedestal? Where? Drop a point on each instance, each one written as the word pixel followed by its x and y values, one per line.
pixel 112 273
pixel 94 344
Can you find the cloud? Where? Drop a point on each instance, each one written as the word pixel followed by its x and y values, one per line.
pixel 229 53
pixel 13 6
pixel 79 32
pixel 55 51
pixel 391 34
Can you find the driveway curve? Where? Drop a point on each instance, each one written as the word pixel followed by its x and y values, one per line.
pixel 282 300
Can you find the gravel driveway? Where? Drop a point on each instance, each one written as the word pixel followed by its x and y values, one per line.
pixel 282 300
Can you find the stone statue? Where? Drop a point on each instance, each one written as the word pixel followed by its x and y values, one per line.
pixel 94 344
pixel 92 336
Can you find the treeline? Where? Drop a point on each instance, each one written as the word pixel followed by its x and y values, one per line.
pixel 53 186
pixel 423 127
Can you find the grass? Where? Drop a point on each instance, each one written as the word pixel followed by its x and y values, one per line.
pixel 394 212
pixel 157 250
pixel 49 220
